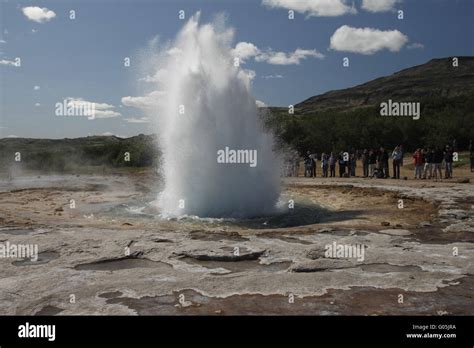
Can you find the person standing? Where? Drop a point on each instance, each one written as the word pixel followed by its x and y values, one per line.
pixel 383 163
pixel 428 167
pixel 308 162
pixel 379 161
pixel 386 167
pixel 448 163
pixel 437 161
pixel 372 162
pixel 365 163
pixel 332 165
pixel 396 161
pixel 325 164
pixel 352 164
pixel 342 165
pixel 418 162
pixel 314 157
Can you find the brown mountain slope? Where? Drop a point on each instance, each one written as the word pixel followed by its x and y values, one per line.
pixel 436 78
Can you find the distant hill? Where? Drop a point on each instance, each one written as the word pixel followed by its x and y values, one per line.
pixel 437 78
pixel 70 155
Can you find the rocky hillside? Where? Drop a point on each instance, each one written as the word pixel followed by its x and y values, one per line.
pixel 437 78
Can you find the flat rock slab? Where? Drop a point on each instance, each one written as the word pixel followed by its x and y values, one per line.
pixel 322 265
pixel 222 255
pixel 456 213
pixel 460 227
pixel 396 232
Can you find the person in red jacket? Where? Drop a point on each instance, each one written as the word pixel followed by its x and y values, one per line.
pixel 418 162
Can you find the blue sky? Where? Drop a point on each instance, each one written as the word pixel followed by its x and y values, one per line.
pixel 83 58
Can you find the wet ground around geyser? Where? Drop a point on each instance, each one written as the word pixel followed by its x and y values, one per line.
pixel 117 256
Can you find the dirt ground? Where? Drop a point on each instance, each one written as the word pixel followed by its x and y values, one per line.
pixel 103 250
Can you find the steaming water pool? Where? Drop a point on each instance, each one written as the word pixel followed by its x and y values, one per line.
pixel 304 212
pixel 128 202
pixel 123 200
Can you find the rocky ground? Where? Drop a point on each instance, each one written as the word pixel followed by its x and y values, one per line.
pixel 104 251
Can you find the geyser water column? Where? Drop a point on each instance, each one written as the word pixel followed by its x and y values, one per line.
pixel 216 159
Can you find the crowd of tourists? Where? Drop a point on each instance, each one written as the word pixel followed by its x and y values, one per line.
pixel 429 163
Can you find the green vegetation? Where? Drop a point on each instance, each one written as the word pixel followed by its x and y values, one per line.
pixel 442 120
pixel 90 154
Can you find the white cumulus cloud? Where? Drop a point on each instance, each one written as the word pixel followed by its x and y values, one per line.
pixel 38 14
pixel 137 120
pixel 379 5
pixel 148 101
pixel 8 62
pixel 314 8
pixel 283 58
pixel 106 113
pixel 101 110
pixel 367 40
pixel 36 88
pixel 246 50
pixel 275 76
pixel 415 46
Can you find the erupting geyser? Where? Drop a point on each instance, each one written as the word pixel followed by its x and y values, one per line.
pixel 216 159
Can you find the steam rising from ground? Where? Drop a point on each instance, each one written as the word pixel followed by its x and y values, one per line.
pixel 197 76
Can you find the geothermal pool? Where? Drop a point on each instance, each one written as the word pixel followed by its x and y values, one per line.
pixel 117 256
